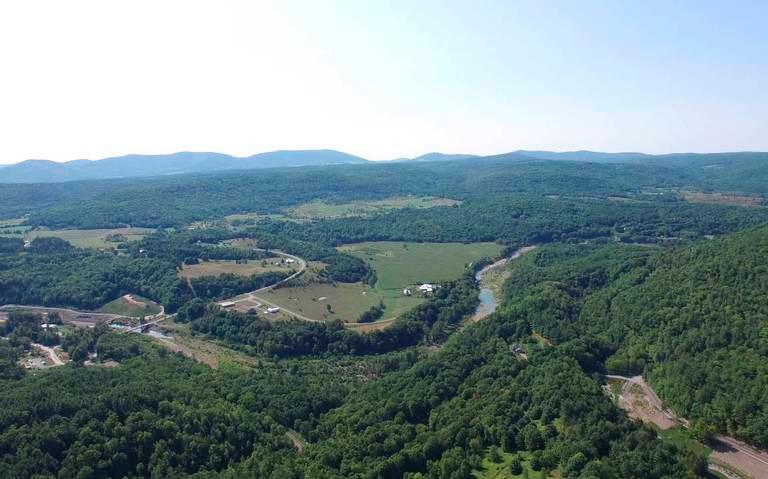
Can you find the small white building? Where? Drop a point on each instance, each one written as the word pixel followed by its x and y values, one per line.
pixel 427 288
pixel 227 304
pixel 273 310
pixel 407 292
pixel 290 261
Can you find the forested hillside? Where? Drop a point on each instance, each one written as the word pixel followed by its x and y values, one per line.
pixel 694 319
pixel 629 276
pixel 162 415
pixel 158 415
pixel 438 418
pixel 520 220
pixel 179 200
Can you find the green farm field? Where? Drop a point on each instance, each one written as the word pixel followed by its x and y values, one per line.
pixel 219 267
pixel 397 266
pixel 13 228
pixel 347 301
pixel 11 222
pixel 97 238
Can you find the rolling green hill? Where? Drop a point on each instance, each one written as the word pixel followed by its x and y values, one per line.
pixel 694 319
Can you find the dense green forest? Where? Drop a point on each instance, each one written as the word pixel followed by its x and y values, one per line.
pixel 628 278
pixel 52 273
pixel 161 415
pixel 529 220
pixel 693 319
pixel 180 200
pixel 158 414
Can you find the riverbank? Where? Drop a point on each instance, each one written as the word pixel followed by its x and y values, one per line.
pixel 491 279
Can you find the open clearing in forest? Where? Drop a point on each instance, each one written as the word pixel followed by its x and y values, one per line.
pixel 721 198
pixel 98 239
pixel 205 350
pixel 319 209
pixel 398 265
pixel 347 301
pixel 250 218
pixel 13 228
pixel 11 222
pixel 242 243
pixel 243 268
pixel 501 469
pixel 322 209
pixel 131 305
pixel 641 402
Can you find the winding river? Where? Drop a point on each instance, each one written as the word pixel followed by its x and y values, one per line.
pixel 488 301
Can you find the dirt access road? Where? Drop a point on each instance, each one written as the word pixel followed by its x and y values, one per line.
pixel 298 442
pixel 739 455
pixel 55 359
pixel 642 402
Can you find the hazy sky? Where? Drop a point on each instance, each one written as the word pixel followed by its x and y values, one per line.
pixel 380 79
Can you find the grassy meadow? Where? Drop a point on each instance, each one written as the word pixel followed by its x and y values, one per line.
pixel 322 209
pixel 96 239
pixel 398 265
pixel 315 210
pixel 497 466
pixel 134 306
pixel 347 301
pixel 219 267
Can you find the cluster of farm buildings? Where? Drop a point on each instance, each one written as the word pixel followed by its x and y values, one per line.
pixel 425 289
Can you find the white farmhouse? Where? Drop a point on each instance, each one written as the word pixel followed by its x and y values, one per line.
pixel 427 288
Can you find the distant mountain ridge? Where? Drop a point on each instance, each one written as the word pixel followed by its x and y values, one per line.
pixel 132 166
pixel 583 155
pixel 435 156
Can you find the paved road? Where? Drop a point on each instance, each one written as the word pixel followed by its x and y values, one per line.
pixel 298 315
pixel 731 452
pixel 250 296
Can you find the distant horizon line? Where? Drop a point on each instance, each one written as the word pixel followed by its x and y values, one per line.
pixel 401 158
